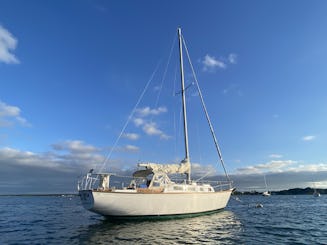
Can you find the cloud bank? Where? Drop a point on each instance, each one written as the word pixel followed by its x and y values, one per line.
pixel 58 169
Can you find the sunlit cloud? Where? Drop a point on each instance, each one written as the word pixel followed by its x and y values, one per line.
pixel 8 110
pixel 272 166
pixel 148 126
pixel 68 159
pixel 131 136
pixel 282 166
pixel 132 148
pixel 8 44
pixel 138 121
pixel 309 138
pixel 10 115
pixel 152 129
pixel 67 162
pixel 275 156
pixel 127 149
pixel 146 111
pixel 316 167
pixel 74 146
pixel 210 63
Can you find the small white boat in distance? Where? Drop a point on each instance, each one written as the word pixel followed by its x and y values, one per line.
pixel 151 191
pixel 316 193
pixel 266 193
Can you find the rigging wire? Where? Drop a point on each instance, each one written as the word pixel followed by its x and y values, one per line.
pixel 206 113
pixel 207 174
pixel 166 69
pixel 129 117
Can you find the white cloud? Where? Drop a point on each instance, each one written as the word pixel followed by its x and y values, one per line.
pixel 232 58
pixel 282 166
pixel 23 171
pixel 275 156
pixel 8 110
pixel 8 43
pixel 60 167
pixel 131 136
pixel 315 167
pixel 152 129
pixel 131 148
pixel 146 111
pixel 210 63
pixel 308 138
pixel 10 115
pixel 74 146
pixel 127 149
pixel 138 122
pixel 272 166
pixel 68 156
pixel 25 158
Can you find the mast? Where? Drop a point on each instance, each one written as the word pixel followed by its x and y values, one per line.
pixel 187 156
pixel 265 182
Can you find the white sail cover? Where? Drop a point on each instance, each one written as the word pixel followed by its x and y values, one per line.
pixel 182 168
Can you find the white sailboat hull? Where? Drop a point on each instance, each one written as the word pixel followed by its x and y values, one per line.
pixel 126 204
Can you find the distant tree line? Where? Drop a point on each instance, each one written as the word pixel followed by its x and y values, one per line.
pixel 294 191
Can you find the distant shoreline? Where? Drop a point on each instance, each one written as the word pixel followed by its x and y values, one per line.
pixel 293 191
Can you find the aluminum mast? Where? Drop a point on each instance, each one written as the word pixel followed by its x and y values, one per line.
pixel 187 155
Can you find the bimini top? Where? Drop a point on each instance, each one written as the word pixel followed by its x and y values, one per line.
pixel 142 173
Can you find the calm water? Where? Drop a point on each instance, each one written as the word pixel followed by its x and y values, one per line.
pixel 62 220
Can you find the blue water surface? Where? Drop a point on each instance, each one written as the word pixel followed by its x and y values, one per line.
pixel 63 220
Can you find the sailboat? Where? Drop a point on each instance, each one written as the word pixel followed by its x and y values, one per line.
pixel 266 192
pixel 316 193
pixel 152 192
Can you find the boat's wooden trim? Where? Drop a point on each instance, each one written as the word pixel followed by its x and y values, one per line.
pixel 150 190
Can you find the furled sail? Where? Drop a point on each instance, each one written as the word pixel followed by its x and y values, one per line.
pixel 182 168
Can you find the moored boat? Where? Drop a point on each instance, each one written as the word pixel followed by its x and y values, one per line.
pixel 151 191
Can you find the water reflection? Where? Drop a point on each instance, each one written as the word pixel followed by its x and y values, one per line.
pixel 222 226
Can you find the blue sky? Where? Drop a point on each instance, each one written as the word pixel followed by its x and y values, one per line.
pixel 72 71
